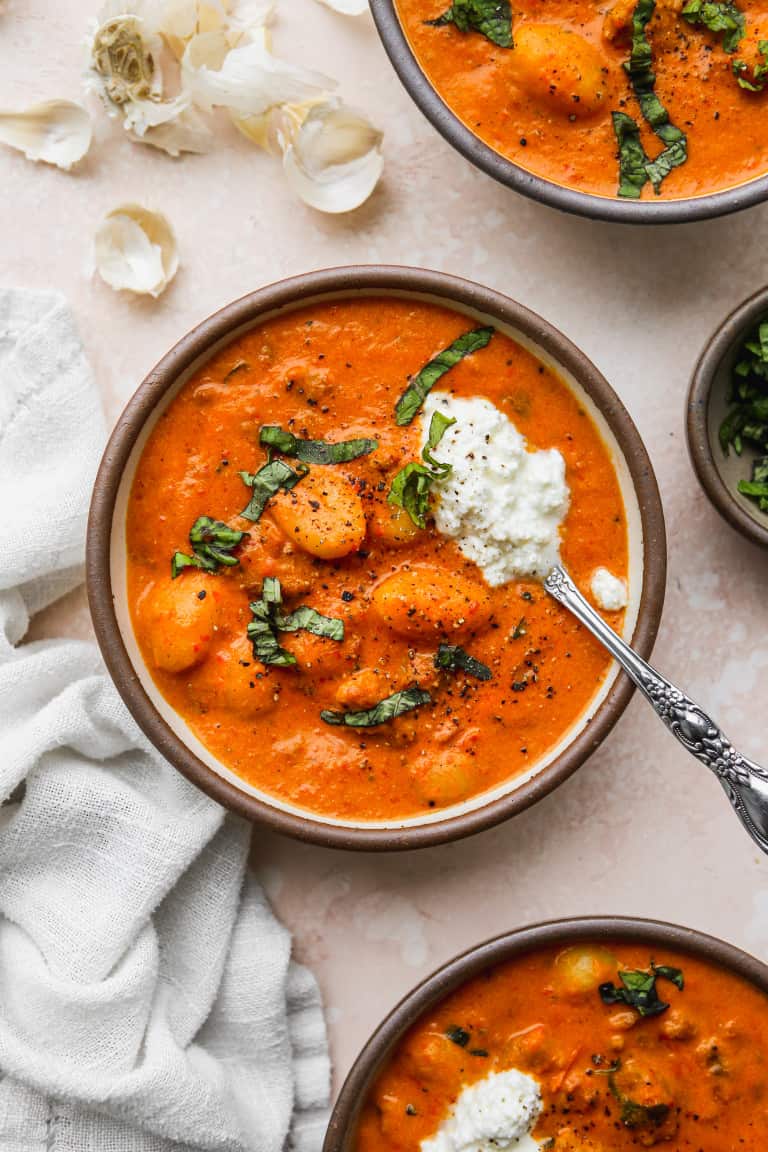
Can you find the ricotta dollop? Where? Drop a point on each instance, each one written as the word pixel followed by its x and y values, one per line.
pixel 497 1112
pixel 608 591
pixel 502 504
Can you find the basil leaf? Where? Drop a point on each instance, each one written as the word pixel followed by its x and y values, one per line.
pixel 747 417
pixel 759 77
pixel 632 156
pixel 638 989
pixel 212 543
pixel 458 1035
pixel 452 656
pixel 416 392
pixel 267 622
pixel 410 487
pixel 381 713
pixel 266 483
pixel 718 16
pixel 643 80
pixel 314 451
pixel 308 620
pixel 493 18
pixel 410 491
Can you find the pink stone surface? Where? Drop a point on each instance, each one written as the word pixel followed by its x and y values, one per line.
pixel 642 828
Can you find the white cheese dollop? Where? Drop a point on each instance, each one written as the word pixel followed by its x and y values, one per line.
pixel 608 591
pixel 497 1112
pixel 502 504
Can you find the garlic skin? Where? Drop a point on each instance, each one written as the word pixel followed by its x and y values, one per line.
pixel 347 7
pixel 185 131
pixel 55 132
pixel 135 250
pixel 247 79
pixel 332 154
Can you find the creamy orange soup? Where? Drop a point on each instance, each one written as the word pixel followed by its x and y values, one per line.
pixel 692 1077
pixel 549 102
pixel 338 546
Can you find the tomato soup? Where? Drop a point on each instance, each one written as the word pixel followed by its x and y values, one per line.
pixel 689 1074
pixel 327 642
pixel 617 98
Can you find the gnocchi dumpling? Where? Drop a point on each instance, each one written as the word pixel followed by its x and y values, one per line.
pixel 424 600
pixel 322 515
pixel 182 615
pixel 583 968
pixel 561 70
pixel 232 679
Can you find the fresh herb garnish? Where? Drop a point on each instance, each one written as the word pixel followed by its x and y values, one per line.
pixel 759 78
pixel 212 543
pixel 275 439
pixel 638 989
pixel 747 418
pixel 452 656
pixel 493 18
pixel 267 482
pixel 634 1114
pixel 267 622
pixel 381 713
pixel 410 487
pixel 632 156
pixel 643 80
pixel 417 390
pixel 458 1035
pixel 718 16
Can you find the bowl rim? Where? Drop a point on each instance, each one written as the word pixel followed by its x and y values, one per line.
pixel 464 140
pixel 370 279
pixel 714 352
pixel 475 960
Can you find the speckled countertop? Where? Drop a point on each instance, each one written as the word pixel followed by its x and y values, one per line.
pixel 641 829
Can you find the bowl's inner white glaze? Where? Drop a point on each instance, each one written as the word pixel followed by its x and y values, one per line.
pixel 118 569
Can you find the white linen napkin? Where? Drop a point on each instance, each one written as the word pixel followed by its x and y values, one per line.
pixel 148 1001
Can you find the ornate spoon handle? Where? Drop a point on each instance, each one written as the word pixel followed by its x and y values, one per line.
pixel 745 783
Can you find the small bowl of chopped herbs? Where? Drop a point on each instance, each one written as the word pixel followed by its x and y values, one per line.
pixel 727 421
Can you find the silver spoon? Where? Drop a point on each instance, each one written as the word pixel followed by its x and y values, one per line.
pixel 744 782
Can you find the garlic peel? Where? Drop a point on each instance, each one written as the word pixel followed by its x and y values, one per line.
pixel 334 161
pixel 56 132
pixel 347 7
pixel 135 250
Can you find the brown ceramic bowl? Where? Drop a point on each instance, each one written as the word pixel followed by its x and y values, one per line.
pixel 106 555
pixel 514 176
pixel 707 406
pixel 343 1125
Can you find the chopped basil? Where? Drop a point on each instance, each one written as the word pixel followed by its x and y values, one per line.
pixel 410 487
pixel 759 77
pixel 457 1035
pixel 267 482
pixel 718 16
pixel 638 989
pixel 415 394
pixel 212 543
pixel 747 418
pixel 632 156
pixel 633 1114
pixel 267 622
pixel 493 18
pixel 275 439
pixel 452 656
pixel 381 713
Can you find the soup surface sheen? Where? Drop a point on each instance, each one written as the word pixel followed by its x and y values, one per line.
pixel 334 372
pixel 693 1077
pixel 548 102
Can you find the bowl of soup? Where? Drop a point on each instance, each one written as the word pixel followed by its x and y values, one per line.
pixel 586 1035
pixel 645 112
pixel 317 545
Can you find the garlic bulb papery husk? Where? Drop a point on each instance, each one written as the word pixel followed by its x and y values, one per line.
pixel 135 250
pixel 347 7
pixel 56 132
pixel 276 128
pixel 124 60
pixel 187 131
pixel 334 160
pixel 247 79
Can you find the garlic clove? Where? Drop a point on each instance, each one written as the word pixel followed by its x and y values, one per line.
pixel 334 161
pixel 186 131
pixel 56 132
pixel 347 7
pixel 135 250
pixel 180 20
pixel 247 79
